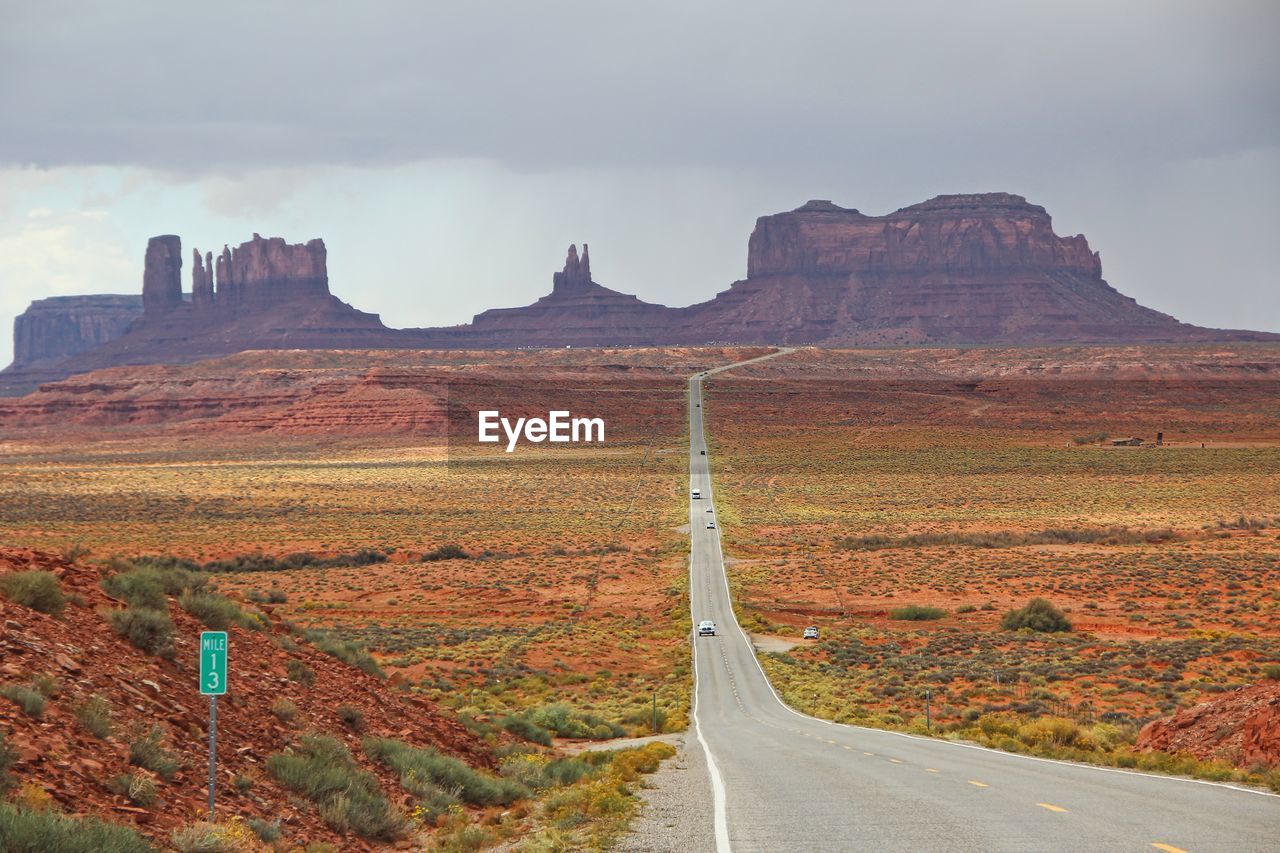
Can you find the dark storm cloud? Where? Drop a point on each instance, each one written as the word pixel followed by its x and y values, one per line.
pixel 787 87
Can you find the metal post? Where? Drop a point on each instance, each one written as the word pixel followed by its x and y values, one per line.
pixel 928 713
pixel 213 753
pixel 655 712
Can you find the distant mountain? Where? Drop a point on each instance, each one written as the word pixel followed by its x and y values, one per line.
pixel 957 269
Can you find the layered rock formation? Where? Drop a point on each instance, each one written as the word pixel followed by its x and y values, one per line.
pixel 577 312
pixel 982 268
pixel 52 329
pixel 957 269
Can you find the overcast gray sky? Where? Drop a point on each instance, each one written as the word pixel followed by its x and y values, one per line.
pixel 449 152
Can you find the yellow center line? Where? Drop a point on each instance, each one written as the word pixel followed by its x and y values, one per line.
pixel 1167 848
pixel 930 770
pixel 895 761
pixel 868 753
pixel 849 748
pixel 976 782
pixel 1051 807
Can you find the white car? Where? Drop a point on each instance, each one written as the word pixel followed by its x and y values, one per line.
pixel 711 509
pixel 706 628
pixel 711 525
pixel 811 633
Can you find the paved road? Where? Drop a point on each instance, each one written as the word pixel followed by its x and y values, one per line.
pixel 783 781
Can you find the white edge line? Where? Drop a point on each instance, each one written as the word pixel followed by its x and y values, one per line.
pixel 724 576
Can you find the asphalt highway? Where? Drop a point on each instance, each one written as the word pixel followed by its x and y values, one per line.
pixel 783 781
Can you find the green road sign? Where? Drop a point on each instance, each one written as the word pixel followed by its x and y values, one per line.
pixel 213 662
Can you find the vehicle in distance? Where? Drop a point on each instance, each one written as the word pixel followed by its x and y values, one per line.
pixel 706 628
pixel 711 525
pixel 811 633
pixel 711 509
pixel 695 494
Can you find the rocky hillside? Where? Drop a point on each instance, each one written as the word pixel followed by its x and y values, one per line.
pixel 102 696
pixel 1241 728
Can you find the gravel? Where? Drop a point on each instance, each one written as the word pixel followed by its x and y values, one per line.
pixel 676 814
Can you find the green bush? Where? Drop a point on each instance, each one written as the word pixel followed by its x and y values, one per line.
pixel 149 630
pixel 346 651
pixel 1272 671
pixel 916 613
pixel 1038 615
pixel 565 722
pixel 446 552
pixel 95 715
pixel 148 751
pixel 522 727
pixel 426 764
pixel 7 759
pixel 266 830
pixel 301 560
pixel 285 711
pixel 300 672
pixel 35 589
pixel 218 613
pixel 203 838
pixel 30 701
pixel 323 771
pixel 138 587
pixel 352 716
pixel 25 831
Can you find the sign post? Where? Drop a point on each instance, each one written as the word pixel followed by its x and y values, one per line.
pixel 213 683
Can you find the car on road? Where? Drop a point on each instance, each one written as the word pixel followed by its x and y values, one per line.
pixel 706 628
pixel 711 509
pixel 696 494
pixel 811 633
pixel 711 525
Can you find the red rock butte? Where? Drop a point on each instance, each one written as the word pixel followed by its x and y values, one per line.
pixel 957 269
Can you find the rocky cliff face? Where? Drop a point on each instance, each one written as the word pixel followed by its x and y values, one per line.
pixel 984 268
pixel 52 329
pixel 162 274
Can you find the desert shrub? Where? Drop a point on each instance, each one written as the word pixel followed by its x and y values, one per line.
pixel 95 715
pixel 1272 671
pixel 7 759
pixel 299 560
pixel 446 552
pixel 231 837
pixel 31 701
pixel 139 587
pixel 285 711
pixel 352 716
pixel 1038 615
pixel 916 613
pixel 322 770
pixel 148 629
pixel 148 751
pixel 218 612
pixel 444 772
pixel 300 672
pixel 565 722
pixel 46 685
pixel 266 830
pixel 346 651
pixel 1001 723
pixel 35 589
pixel 26 831
pixel 1053 731
pixel 522 727
pixel 139 788
pixel 271 596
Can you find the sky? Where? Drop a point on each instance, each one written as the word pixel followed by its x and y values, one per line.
pixel 449 152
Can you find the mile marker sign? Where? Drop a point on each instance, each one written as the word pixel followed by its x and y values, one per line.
pixel 213 663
